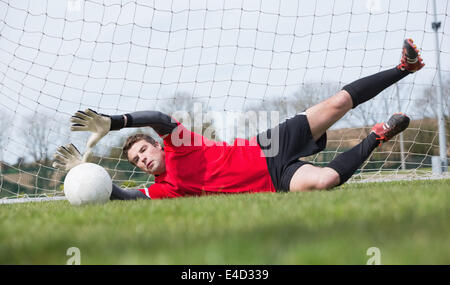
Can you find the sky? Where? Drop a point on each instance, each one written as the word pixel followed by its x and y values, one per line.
pixel 57 57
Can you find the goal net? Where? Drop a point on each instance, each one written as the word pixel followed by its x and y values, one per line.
pixel 221 59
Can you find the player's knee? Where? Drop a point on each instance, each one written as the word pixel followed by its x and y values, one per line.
pixel 327 180
pixel 342 100
pixel 314 178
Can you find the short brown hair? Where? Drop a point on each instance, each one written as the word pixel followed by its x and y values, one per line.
pixel 131 140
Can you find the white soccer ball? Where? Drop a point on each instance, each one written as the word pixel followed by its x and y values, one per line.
pixel 87 183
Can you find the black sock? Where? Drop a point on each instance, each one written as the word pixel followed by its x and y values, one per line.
pixel 348 162
pixel 368 87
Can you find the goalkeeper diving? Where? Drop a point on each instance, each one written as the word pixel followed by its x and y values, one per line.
pixel 189 164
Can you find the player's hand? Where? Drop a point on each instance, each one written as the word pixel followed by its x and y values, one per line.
pixel 67 157
pixel 91 121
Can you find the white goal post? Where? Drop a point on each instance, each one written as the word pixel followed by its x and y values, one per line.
pixel 227 58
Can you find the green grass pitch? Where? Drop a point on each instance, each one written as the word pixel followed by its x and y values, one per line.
pixel 408 221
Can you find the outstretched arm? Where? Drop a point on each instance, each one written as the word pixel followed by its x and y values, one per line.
pixel 100 124
pixel 160 122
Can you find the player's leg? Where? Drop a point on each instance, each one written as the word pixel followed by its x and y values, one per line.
pixel 309 177
pixel 323 115
pixel 338 171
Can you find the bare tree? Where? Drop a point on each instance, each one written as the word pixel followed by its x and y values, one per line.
pixel 191 113
pixel 37 132
pixel 426 103
pixel 364 115
pixel 5 124
pixel 271 111
pixel 310 94
pixel 306 96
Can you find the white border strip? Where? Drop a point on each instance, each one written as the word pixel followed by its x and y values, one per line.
pixel 26 200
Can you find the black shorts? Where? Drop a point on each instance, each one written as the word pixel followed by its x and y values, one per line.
pixel 284 144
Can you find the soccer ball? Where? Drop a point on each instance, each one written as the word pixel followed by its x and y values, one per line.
pixel 87 183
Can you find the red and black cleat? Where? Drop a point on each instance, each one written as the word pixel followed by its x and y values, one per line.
pixel 396 124
pixel 411 60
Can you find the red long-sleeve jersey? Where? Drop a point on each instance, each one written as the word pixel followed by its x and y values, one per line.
pixel 197 166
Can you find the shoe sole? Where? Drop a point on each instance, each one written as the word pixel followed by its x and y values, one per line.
pixel 397 124
pixel 411 50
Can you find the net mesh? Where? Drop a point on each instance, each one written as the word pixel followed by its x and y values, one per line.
pixel 231 57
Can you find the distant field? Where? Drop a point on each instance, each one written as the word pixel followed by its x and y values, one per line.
pixel 407 221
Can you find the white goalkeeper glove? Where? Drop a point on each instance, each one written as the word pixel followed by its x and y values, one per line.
pixel 67 157
pixel 91 121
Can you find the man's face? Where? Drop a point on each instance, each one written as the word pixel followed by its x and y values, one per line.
pixel 147 157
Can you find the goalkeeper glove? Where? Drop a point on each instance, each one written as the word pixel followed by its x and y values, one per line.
pixel 67 157
pixel 91 121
